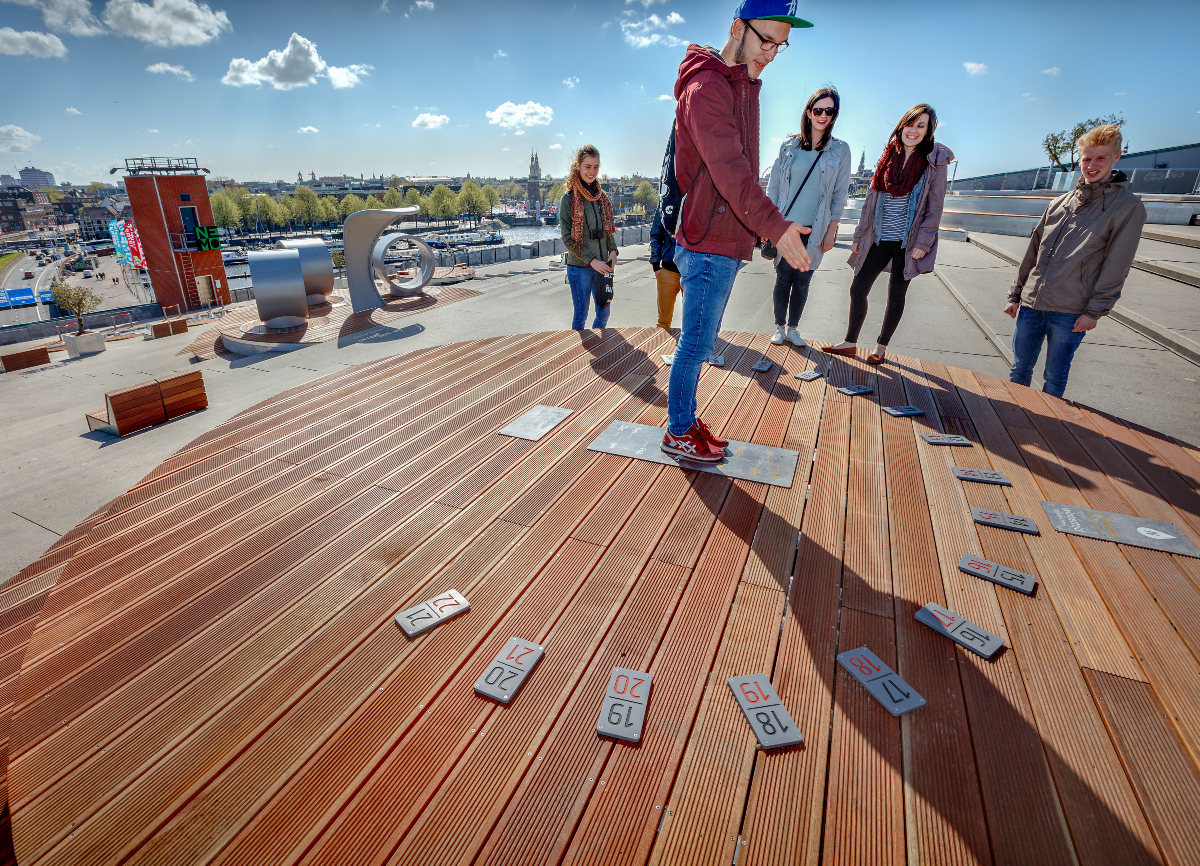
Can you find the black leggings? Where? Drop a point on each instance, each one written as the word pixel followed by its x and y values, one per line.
pixel 877 259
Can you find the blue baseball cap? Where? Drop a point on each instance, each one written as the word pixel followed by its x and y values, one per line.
pixel 772 10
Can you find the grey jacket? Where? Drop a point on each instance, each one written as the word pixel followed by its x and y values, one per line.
pixel 1081 250
pixel 581 254
pixel 926 218
pixel 833 173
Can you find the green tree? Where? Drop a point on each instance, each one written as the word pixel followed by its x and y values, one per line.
pixel 646 195
pixel 493 196
pixel 350 204
pixel 443 203
pixel 393 181
pixel 225 210
pixel 472 201
pixel 329 210
pixel 275 212
pixel 513 191
pixel 1060 145
pixel 77 300
pixel 557 190
pixel 306 206
pixel 392 198
pixel 372 203
pixel 94 187
pixel 53 193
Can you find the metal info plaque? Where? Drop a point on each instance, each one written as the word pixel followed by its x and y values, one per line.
pixel 904 411
pixel 775 466
pixel 856 390
pixel 977 566
pixel 508 670
pixel 809 375
pixel 430 613
pixel 535 423
pixel 1004 521
pixel 773 726
pixel 762 366
pixel 947 439
pixel 716 360
pixel 624 709
pixel 1121 528
pixel 983 476
pixel 962 631
pixel 881 681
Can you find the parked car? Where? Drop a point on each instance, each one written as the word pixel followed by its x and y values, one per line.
pixel 87 275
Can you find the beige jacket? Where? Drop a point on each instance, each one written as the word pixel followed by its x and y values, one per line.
pixel 1081 250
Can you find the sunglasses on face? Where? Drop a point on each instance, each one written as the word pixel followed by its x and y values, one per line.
pixel 828 112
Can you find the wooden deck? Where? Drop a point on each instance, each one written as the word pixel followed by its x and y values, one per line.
pixel 207 669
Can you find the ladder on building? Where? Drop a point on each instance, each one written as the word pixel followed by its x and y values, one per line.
pixel 190 293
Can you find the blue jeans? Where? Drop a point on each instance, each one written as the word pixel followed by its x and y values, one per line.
pixel 581 280
pixel 1034 326
pixel 706 280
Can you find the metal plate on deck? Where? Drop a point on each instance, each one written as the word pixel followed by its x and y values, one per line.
pixel 809 375
pixel 947 439
pixel 535 423
pixel 624 709
pixel 881 681
pixel 1002 520
pixel 996 573
pixel 775 466
pixel 1121 528
pixel 962 631
pixel 904 411
pixel 430 613
pixel 856 390
pixel 984 476
pixel 668 359
pixel 716 360
pixel 762 366
pixel 765 713
pixel 508 670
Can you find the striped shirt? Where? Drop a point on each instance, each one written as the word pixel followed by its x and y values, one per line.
pixel 895 214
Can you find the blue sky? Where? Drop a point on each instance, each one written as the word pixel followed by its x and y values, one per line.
pixel 260 90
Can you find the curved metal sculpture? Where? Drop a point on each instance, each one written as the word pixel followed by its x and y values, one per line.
pixel 361 232
pixel 279 288
pixel 424 270
pixel 317 265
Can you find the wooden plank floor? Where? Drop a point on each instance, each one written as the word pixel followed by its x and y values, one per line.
pixel 207 669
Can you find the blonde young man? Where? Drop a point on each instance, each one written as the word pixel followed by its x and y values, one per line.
pixel 1076 264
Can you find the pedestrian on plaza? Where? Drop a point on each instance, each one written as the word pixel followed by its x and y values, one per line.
pixel 585 221
pixel 814 199
pixel 1078 257
pixel 724 209
pixel 898 229
pixel 666 272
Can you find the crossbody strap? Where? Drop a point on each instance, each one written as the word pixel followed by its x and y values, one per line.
pixel 792 203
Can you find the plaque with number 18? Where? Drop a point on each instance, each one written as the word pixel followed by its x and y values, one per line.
pixel 881 681
pixel 765 714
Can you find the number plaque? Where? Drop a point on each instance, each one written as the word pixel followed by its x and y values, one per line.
pixel 809 375
pixel 762 366
pixel 716 360
pixel 430 613
pixel 624 707
pixel 947 439
pixel 668 359
pixel 1004 521
pixel 765 714
pixel 962 631
pixel 881 681
pixel 979 567
pixel 983 476
pixel 508 670
pixel 856 390
pixel 904 411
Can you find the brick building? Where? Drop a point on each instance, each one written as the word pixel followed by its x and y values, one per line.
pixel 169 200
pixel 94 219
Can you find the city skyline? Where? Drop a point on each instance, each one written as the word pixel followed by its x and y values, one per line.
pixel 260 91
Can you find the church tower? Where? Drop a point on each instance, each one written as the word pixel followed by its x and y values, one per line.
pixel 862 162
pixel 535 168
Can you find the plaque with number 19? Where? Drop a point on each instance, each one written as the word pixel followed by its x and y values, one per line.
pixel 624 709
pixel 765 714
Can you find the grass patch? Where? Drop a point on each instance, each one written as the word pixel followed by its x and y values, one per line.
pixel 8 259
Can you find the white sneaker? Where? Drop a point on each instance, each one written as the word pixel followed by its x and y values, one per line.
pixel 795 339
pixel 778 338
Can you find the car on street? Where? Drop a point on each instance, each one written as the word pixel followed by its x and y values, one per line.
pixel 87 275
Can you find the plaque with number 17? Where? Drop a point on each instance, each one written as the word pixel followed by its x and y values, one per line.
pixel 881 681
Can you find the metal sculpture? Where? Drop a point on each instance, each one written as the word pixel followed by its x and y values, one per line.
pixel 423 272
pixel 279 288
pixel 361 232
pixel 316 264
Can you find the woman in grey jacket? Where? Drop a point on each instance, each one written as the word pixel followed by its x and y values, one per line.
pixel 810 178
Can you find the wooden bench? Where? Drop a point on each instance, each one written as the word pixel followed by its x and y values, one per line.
pixel 158 330
pixel 23 360
pixel 148 403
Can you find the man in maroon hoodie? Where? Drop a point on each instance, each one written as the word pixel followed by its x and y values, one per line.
pixel 724 208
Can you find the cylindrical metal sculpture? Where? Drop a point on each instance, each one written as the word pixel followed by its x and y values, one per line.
pixel 361 231
pixel 317 265
pixel 278 280
pixel 424 266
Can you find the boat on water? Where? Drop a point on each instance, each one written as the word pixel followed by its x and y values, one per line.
pixel 232 258
pixel 464 239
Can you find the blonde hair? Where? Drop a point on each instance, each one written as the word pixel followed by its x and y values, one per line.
pixel 1109 134
pixel 573 172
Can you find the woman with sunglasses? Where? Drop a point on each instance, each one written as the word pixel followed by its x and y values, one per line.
pixel 898 230
pixel 808 184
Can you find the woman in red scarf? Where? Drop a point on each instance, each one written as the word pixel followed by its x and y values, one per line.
pixel 585 220
pixel 898 229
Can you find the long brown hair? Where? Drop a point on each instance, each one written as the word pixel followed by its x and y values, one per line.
pixel 909 118
pixel 573 172
pixel 805 133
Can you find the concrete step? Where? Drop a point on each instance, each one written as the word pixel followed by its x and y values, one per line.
pixel 1188 236
pixel 1147 301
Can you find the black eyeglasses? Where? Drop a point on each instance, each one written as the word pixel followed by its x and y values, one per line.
pixel 828 112
pixel 767 44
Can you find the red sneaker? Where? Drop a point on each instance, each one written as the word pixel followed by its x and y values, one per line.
pixel 713 439
pixel 692 445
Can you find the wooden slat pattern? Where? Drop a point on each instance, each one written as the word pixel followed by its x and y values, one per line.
pixel 14 361
pixel 206 670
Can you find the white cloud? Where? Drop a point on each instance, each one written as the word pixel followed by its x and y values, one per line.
pixel 645 3
pixel 298 65
pixel 178 71
pixel 14 139
pixel 73 16
pixel 499 53
pixel 152 130
pixel 571 81
pixel 975 68
pixel 1028 96
pixel 519 132
pixel 73 110
pixel 30 42
pixel 420 6
pixel 665 97
pixel 504 149
pixel 556 146
pixel 649 31
pixel 430 121
pixel 306 130
pixel 1053 70
pixel 1119 93
pixel 166 22
pixel 510 114
pixel 776 140
pixel 342 77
